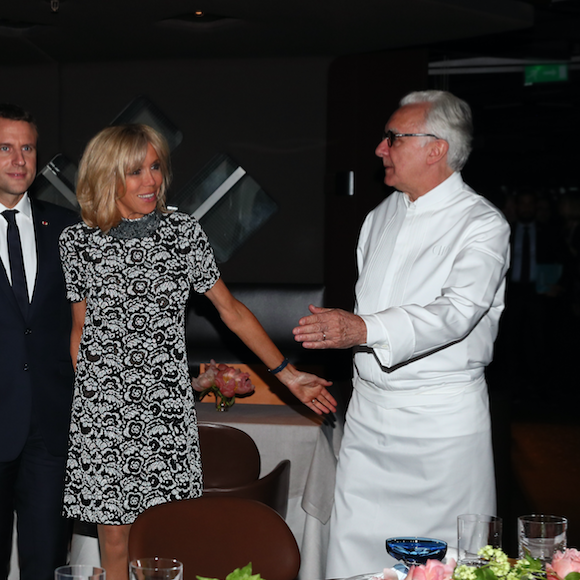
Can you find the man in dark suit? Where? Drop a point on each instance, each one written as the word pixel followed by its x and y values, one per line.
pixel 35 365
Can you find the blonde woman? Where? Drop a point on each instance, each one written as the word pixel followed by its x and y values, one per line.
pixel 129 268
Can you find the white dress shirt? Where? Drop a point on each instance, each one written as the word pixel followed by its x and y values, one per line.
pixel 27 239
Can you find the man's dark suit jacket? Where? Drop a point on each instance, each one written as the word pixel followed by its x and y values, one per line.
pixel 35 364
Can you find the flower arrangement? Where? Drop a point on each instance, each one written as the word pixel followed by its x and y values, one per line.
pixel 225 382
pixel 244 573
pixel 499 567
pixel 432 570
pixel 565 566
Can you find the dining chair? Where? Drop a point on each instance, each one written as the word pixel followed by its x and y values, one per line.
pixel 231 466
pixel 212 536
pixel 229 456
pixel 272 489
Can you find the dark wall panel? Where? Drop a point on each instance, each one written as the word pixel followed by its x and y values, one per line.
pixel 268 114
pixel 364 90
pixel 37 89
pixel 271 116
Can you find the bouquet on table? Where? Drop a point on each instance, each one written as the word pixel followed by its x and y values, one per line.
pixel 224 382
pixel 244 573
pixel 565 566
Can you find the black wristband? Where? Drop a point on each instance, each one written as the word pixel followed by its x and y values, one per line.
pixel 280 368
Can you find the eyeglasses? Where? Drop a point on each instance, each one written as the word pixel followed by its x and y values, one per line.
pixel 392 137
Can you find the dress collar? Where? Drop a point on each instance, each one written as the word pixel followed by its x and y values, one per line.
pixel 139 228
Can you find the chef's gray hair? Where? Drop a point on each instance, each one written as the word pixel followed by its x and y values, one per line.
pixel 448 117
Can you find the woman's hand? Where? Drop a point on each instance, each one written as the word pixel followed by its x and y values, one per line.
pixel 309 389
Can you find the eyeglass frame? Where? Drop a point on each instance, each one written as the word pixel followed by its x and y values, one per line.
pixel 392 137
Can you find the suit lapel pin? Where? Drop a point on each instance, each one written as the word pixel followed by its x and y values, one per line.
pixel 44 223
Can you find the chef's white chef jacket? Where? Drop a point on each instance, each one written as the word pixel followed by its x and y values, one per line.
pixel 417 446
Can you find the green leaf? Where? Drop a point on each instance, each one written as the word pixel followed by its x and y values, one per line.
pixel 203 393
pixel 240 573
pixel 573 576
pixel 485 574
pixel 535 564
pixel 244 573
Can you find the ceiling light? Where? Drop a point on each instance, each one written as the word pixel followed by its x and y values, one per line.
pixel 55 5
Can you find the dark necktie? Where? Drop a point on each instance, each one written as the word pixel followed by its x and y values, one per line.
pixel 525 271
pixel 16 261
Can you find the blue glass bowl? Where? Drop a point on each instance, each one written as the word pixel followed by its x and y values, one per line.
pixel 416 550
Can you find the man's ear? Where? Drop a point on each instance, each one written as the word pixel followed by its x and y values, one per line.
pixel 437 151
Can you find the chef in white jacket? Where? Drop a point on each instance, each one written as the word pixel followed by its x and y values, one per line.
pixel 432 260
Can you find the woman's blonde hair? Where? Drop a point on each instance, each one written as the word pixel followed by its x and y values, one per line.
pixel 109 156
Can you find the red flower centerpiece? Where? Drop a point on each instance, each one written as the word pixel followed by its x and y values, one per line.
pixel 224 382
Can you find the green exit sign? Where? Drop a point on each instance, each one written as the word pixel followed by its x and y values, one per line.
pixel 546 73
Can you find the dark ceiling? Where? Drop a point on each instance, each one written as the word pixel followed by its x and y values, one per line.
pixel 525 134
pixel 509 117
pixel 37 31
pixel 554 35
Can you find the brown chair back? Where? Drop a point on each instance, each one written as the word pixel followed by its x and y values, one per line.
pixel 213 536
pixel 229 457
pixel 271 489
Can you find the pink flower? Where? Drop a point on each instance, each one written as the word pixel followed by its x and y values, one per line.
pixel 244 384
pixel 206 379
pixel 563 563
pixel 226 382
pixel 432 570
pixel 229 381
pixel 388 574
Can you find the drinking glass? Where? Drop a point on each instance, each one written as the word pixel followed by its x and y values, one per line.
pixel 79 572
pixel 541 535
pixel 156 568
pixel 475 531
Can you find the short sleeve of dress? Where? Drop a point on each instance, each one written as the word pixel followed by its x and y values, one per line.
pixel 204 272
pixel 71 244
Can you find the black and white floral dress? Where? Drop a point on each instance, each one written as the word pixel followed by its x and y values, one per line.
pixel 133 437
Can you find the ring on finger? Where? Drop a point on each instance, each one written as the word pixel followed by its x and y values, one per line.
pixel 323 336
